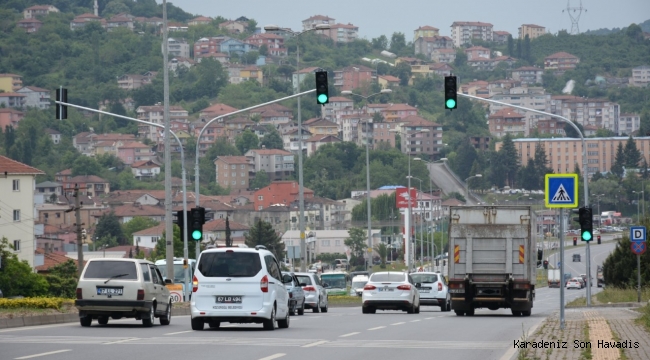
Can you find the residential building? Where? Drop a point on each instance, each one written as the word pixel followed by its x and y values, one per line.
pixel 38 10
pixel 236 27
pixel 234 46
pixel 48 188
pixel 316 141
pixel 207 46
pixel 529 97
pixel 342 33
pixel 178 47
pixel 148 238
pixel 274 118
pixel 325 241
pixel 463 32
pixel 215 231
pixel 551 126
pixel 480 143
pixel 119 21
pixel 354 77
pixel 425 31
pixel 81 20
pixel 386 82
pixel 200 20
pixel 236 126
pixel 427 145
pixel 126 213
pixel 17 207
pixel 560 62
pixel 323 127
pixel 426 45
pixel 533 31
pixel 215 110
pixel 13 100
pixel 396 112
pixel 381 133
pixel 10 82
pixel 57 214
pixel 145 169
pixel 300 75
pixel 274 43
pixel 315 20
pixel 528 75
pixel 36 97
pixel 640 76
pixel 564 153
pixel 135 81
pixel 233 172
pixel 477 53
pixel 63 175
pixel 278 164
pixel 628 124
pixel 178 62
pixel 446 56
pixel 291 140
pixel 104 148
pixel 210 135
pixel 252 72
pixel 279 192
pixel 500 37
pixel 135 151
pixel 154 114
pixel 29 25
pixel 600 113
pixel 89 185
pixel 507 121
pixel 10 117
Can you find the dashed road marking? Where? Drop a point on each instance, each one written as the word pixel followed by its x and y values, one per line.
pixel 42 354
pixel 399 323
pixel 121 341
pixel 415 320
pixel 274 356
pixel 180 332
pixel 350 334
pixel 315 343
pixel 376 328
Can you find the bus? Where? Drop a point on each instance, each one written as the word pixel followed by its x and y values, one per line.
pixel 338 283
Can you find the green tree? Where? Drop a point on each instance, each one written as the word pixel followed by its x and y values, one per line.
pixel 619 162
pixel 62 280
pixel 541 167
pixel 246 141
pixel 511 46
pixel 356 242
pixel 382 250
pixel 508 160
pixel 136 224
pixel 261 180
pixel 160 250
pixel 17 277
pixel 571 132
pixel 263 233
pixel 272 140
pixel 228 238
pixel 632 155
pixel 86 165
pixel 109 226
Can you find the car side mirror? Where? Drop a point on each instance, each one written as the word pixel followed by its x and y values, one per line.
pixel 169 281
pixel 286 279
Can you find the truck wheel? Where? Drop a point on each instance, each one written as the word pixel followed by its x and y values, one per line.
pixel 459 313
pixel 470 312
pixel 526 313
pixel 516 313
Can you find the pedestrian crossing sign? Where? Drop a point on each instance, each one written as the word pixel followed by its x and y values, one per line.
pixel 561 190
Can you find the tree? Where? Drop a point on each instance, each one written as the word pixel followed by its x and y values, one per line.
pixel 379 43
pixel 382 250
pixel 261 180
pixel 527 54
pixel 356 241
pixel 136 224
pixel 178 245
pixel 397 43
pixel 541 167
pixel 86 165
pixel 508 159
pixel 511 46
pixel 571 132
pixel 109 226
pixel 62 280
pixel 632 155
pixel 17 277
pixel 263 233
pixel 619 162
pixel 272 140
pixel 228 238
pixel 246 141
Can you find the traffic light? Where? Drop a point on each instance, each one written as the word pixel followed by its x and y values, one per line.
pixel 181 224
pixel 545 263
pixel 575 241
pixel 196 224
pixel 450 92
pixel 84 234
pixel 322 90
pixel 598 238
pixel 61 110
pixel 586 224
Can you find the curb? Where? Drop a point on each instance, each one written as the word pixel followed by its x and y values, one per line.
pixel 613 305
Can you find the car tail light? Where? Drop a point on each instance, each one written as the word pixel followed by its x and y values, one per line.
pixel 195 283
pixel 290 295
pixel 456 285
pixel 369 287
pixel 79 294
pixel 404 287
pixel 140 294
pixel 439 286
pixel 264 284
pixel 309 288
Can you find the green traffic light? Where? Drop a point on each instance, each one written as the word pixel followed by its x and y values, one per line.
pixel 451 103
pixel 196 235
pixel 586 236
pixel 322 99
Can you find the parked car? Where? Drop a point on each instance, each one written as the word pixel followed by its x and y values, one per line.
pixel 117 288
pixel 315 294
pixel 573 284
pixel 390 291
pixel 296 294
pixel 238 285
pixel 433 289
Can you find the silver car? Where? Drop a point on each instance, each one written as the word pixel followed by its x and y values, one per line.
pixel 296 293
pixel 433 289
pixel 315 294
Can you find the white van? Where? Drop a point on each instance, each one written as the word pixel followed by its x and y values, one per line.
pixel 358 282
pixel 179 271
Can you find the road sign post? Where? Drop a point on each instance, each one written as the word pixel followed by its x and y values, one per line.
pixel 638 247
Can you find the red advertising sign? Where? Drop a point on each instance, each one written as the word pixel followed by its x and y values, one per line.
pixel 402 198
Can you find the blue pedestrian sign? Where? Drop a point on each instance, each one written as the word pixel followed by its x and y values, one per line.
pixel 637 234
pixel 561 190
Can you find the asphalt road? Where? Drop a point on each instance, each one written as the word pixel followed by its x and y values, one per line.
pixel 343 333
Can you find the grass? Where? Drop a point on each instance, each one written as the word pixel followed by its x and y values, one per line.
pixel 586 351
pixel 344 300
pixel 6 313
pixel 613 295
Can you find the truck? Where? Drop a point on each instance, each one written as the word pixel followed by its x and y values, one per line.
pixel 492 258
pixel 554 278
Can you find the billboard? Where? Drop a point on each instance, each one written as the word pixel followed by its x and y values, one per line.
pixel 402 198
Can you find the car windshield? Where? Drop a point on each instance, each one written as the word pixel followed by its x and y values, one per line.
pixel 387 277
pixel 229 264
pixel 359 284
pixel 424 278
pixel 304 279
pixel 335 281
pixel 179 272
pixel 106 269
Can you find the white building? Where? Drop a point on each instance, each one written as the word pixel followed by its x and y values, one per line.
pixel 530 97
pixel 627 124
pixel 36 97
pixel 462 32
pixel 17 185
pixel 178 48
pixel 324 241
pixel 148 238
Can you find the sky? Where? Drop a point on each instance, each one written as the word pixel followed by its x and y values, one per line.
pixel 383 17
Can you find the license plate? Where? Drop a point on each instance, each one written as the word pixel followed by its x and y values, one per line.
pixel 109 291
pixel 425 291
pixel 456 291
pixel 229 299
pixel 386 289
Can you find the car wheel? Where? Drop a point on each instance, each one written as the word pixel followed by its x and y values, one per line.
pixel 301 311
pixel 325 308
pixel 152 317
pixel 102 320
pixel 516 313
pixel 316 308
pixel 372 310
pixel 270 323
pixel 86 321
pixel 197 324
pixel 459 313
pixel 417 309
pixel 213 324
pixel 168 315
pixel 448 306
pixel 284 324
pixel 411 309
pixel 292 309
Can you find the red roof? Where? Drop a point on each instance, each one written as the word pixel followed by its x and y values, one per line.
pixel 13 167
pixel 561 55
pixel 52 259
pixel 220 225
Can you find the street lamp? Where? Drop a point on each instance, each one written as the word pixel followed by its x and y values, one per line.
pixel 433 228
pixel 383 91
pixel 420 213
pixel 467 183
pixel 301 190
pixel 408 217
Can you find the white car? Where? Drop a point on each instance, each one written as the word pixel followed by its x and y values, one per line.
pixel 238 285
pixel 573 284
pixel 315 294
pixel 358 282
pixel 390 291
pixel 433 289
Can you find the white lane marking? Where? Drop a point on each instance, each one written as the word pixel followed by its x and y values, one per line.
pixel 511 352
pixel 274 356
pixel 350 334
pixel 429 318
pixel 42 354
pixel 121 341
pixel 315 343
pixel 399 323
pixel 180 332
pixel 376 328
pixel 415 320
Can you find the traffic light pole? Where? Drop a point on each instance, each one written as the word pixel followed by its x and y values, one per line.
pixel 562 285
pixel 585 176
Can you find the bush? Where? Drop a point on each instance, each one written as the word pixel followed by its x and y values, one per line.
pixel 34 303
pixel 17 277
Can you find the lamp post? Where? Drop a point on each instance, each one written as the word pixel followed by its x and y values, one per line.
pixel 407 226
pixel 383 91
pixel 467 183
pixel 301 190
pixel 433 228
pixel 420 213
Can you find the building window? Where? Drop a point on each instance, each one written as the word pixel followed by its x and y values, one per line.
pixel 16 215
pixel 16 245
pixel 154 239
pixel 260 197
pixel 16 185
pixel 137 239
pixel 326 243
pixel 337 242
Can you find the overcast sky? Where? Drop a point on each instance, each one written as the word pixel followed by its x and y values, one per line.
pixel 383 17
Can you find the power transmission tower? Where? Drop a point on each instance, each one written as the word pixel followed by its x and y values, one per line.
pixel 574 14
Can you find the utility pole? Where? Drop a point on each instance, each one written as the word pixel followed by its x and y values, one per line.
pixel 169 226
pixel 77 213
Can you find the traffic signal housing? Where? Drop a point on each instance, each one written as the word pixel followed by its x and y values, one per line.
pixel 61 110
pixel 450 92
pixel 196 224
pixel 322 89
pixel 598 238
pixel 545 263
pixel 586 224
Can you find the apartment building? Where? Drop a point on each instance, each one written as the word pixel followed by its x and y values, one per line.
pixel 154 114
pixel 342 33
pixel 354 77
pixel 233 172
pixel 560 62
pixel 500 37
pixel 640 76
pixel 600 113
pixel 178 48
pixel 426 145
pixel 463 32
pixel 278 164
pixel 551 126
pixel 532 30
pixel 38 10
pixel 628 124
pixel 315 20
pixel 425 31
pixel 507 121
pixel 10 117
pixel 36 97
pixel 528 75
pixel 274 43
